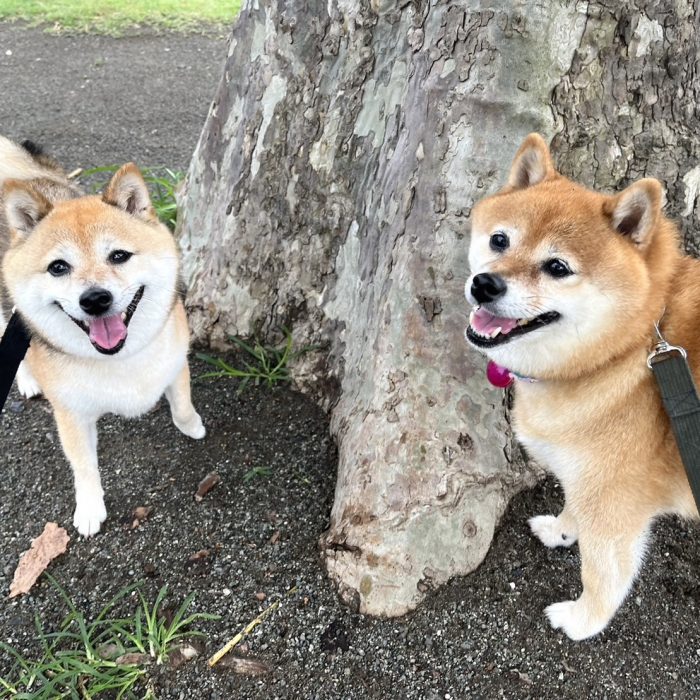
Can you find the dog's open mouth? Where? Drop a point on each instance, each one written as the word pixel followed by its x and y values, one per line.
pixel 108 333
pixel 486 330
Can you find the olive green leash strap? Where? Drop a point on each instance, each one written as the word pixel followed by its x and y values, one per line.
pixel 13 348
pixel 680 397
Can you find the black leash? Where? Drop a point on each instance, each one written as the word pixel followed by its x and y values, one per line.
pixel 13 348
pixel 680 397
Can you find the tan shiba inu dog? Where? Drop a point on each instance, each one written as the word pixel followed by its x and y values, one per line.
pixel 567 285
pixel 95 279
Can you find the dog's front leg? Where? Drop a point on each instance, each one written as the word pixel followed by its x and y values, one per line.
pixel 181 409
pixel 610 561
pixel 79 440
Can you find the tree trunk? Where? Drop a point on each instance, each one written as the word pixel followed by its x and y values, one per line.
pixel 330 194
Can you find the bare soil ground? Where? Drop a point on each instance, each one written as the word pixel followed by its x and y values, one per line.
pixel 95 101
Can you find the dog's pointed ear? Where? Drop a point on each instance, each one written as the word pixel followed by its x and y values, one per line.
pixel 24 206
pixel 532 163
pixel 128 192
pixel 635 211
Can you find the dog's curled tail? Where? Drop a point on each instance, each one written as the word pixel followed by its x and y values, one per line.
pixel 18 162
pixel 36 151
pixel 29 162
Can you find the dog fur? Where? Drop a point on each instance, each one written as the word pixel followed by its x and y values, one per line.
pixel 593 416
pixel 61 248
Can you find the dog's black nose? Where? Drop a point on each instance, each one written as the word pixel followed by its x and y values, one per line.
pixel 95 301
pixel 488 287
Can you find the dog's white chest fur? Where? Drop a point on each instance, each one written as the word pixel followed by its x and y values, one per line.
pixel 127 386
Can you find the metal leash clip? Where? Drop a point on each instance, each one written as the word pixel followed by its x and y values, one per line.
pixel 662 347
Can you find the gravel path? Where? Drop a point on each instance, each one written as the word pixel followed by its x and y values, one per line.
pixel 94 101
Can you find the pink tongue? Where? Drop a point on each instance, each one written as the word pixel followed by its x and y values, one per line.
pixel 108 332
pixel 484 322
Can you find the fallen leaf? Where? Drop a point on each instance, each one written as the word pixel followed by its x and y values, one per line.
pixel 247 666
pixel 206 485
pixel 275 536
pixel 260 596
pixel 139 515
pixel 50 543
pixel 200 554
pixel 133 659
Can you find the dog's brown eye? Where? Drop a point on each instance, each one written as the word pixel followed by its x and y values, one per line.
pixel 117 257
pixel 58 268
pixel 557 268
pixel 499 241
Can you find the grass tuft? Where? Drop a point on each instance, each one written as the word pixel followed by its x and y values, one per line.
pixel 105 655
pixel 256 473
pixel 267 364
pixel 162 183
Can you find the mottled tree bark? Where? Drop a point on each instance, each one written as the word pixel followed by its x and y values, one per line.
pixel 330 194
pixel 629 106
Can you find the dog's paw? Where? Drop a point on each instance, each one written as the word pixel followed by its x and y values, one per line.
pixel 90 513
pixel 27 385
pixel 573 619
pixel 193 427
pixel 548 530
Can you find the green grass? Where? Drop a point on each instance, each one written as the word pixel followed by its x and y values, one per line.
pixel 266 364
pixel 162 184
pixel 84 659
pixel 256 473
pixel 116 16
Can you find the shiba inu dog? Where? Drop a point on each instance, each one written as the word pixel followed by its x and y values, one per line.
pixel 567 285
pixel 95 280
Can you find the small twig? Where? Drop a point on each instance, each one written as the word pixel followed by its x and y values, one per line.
pixel 245 631
pixel 215 658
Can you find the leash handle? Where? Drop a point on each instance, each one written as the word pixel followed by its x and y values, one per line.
pixel 13 348
pixel 680 399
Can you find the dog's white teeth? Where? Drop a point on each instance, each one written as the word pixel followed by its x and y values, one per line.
pixel 523 322
pixel 123 315
pixel 495 332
